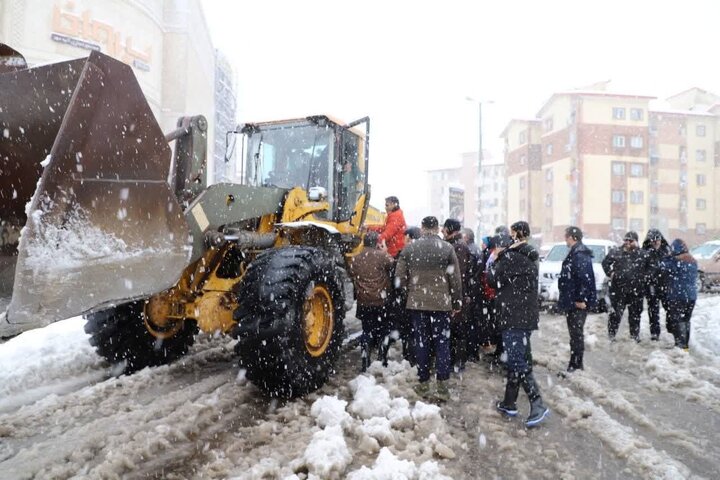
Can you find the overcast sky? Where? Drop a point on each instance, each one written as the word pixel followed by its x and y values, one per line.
pixel 411 65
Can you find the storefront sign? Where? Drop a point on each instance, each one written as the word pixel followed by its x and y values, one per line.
pixel 82 31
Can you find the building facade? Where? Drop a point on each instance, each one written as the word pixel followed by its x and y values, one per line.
pixel 225 120
pixel 611 162
pixel 477 200
pixel 166 42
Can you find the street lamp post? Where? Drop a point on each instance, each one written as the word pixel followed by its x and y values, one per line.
pixel 480 157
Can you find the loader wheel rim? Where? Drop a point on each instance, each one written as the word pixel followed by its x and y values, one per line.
pixel 319 321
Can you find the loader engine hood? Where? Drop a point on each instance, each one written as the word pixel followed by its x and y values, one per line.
pixel 84 187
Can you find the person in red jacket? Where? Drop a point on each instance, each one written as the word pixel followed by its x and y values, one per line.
pixel 392 234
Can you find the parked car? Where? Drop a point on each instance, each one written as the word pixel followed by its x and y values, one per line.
pixel 550 271
pixel 708 258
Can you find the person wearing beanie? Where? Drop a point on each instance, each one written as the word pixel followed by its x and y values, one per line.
pixel 626 267
pixel 514 275
pixel 428 268
pixel 657 249
pixel 680 271
pixel 459 325
pixel 576 284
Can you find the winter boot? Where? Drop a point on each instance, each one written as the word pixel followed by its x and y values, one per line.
pixel 365 360
pixel 682 335
pixel 576 363
pixel 507 405
pixel 443 391
pixel 422 389
pixel 538 410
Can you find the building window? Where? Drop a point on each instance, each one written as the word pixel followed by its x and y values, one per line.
pixel 700 130
pixel 618 141
pixel 700 228
pixel 618 168
pixel 618 196
pixel 636 224
pixel 636 142
pixel 636 197
pixel 700 155
pixel 549 174
pixel 549 149
pixel 548 200
pixel 618 113
pixel 522 137
pixel 682 154
pixel 636 114
pixel 637 170
pixel 618 223
pixel 700 179
pixel 522 183
pixel 548 124
pixel 700 204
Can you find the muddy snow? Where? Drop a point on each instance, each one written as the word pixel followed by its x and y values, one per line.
pixel 637 411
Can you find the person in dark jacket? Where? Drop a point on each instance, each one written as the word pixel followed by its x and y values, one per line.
pixel 657 249
pixel 626 266
pixel 428 268
pixel 459 325
pixel 515 276
pixel 475 294
pixel 577 293
pixel 680 271
pixel 370 271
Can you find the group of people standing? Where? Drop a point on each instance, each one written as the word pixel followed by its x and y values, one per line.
pixel 658 272
pixel 450 300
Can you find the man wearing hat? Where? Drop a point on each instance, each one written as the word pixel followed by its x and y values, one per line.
pixel 626 267
pixel 657 249
pixel 428 268
pixel 458 331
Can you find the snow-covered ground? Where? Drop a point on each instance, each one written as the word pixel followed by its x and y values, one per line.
pixel 638 411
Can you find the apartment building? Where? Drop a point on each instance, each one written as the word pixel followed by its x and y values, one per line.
pixel 475 199
pixel 612 162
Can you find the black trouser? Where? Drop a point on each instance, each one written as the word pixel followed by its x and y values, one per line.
pixel 458 338
pixel 473 334
pixel 489 333
pixel 678 320
pixel 576 329
pixel 620 299
pixel 652 295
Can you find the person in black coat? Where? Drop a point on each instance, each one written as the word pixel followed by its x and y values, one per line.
pixel 577 293
pixel 515 277
pixel 626 267
pixel 657 249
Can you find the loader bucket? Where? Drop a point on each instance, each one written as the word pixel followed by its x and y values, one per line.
pixel 84 174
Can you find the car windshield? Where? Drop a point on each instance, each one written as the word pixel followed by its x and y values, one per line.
pixel 705 251
pixel 559 252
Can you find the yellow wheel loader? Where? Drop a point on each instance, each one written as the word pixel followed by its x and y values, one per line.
pixel 101 217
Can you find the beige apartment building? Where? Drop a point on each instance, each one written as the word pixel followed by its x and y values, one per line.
pixel 610 163
pixel 477 200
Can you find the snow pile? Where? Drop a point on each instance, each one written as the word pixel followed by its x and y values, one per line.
pixel 375 422
pixel 39 362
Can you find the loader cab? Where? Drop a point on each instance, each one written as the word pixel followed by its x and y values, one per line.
pixel 328 160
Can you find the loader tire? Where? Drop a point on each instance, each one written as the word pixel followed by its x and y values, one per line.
pixel 290 320
pixel 119 334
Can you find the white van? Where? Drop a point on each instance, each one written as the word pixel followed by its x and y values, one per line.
pixel 550 271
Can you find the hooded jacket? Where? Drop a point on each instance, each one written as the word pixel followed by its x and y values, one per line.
pixel 680 272
pixel 514 275
pixel 577 279
pixel 654 256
